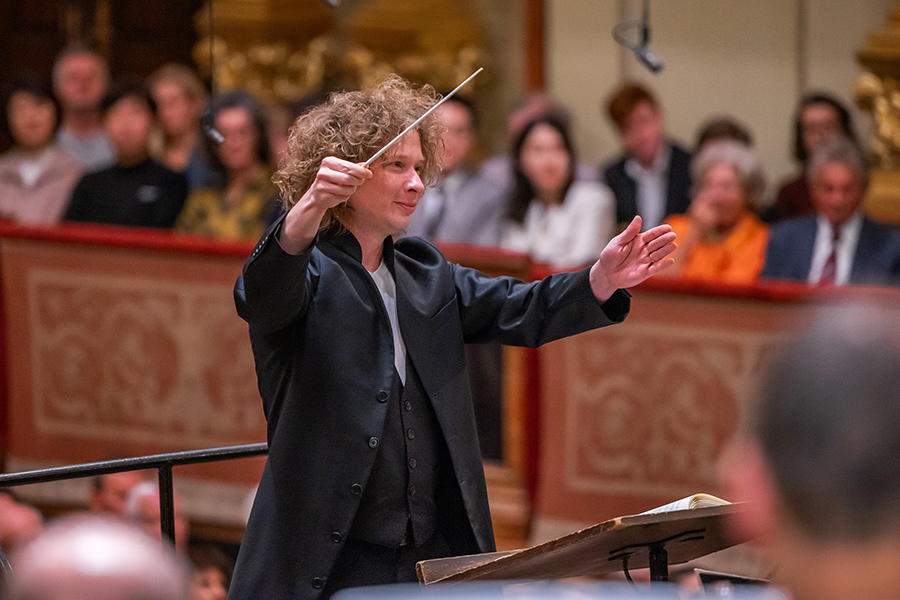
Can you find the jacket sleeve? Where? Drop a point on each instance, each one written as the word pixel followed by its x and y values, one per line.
pixel 275 287
pixel 516 313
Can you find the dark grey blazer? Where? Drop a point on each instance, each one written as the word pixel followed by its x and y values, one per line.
pixel 791 243
pixel 324 355
pixel 678 188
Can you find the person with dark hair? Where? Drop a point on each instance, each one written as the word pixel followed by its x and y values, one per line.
pixel 239 207
pixel 820 117
pixel 109 492
pixel 137 191
pixel 816 462
pixel 553 217
pixel 36 175
pixel 722 128
pixel 210 573
pixel 653 177
pixel 838 244
pixel 464 206
pixel 80 81
pixel 359 341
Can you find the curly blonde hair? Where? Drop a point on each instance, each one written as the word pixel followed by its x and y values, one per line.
pixel 353 126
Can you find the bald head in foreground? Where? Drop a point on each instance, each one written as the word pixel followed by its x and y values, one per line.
pixel 819 461
pixel 92 558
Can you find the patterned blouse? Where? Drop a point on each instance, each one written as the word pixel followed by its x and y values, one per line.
pixel 206 211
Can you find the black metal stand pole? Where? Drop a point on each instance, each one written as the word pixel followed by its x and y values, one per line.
pixel 659 563
pixel 166 503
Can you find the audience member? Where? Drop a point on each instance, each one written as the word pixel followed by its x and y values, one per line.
pixel 720 239
pixel 653 178
pixel 240 208
pixel 722 128
pixel 838 244
pixel 91 558
pixel 36 176
pixel 498 169
pixel 180 100
pixel 463 207
pixel 817 463
pixel 279 118
pixel 137 190
pixel 552 217
pixel 467 207
pixel 142 509
pixel 19 522
pixel 820 117
pixel 109 493
pixel 80 80
pixel 210 573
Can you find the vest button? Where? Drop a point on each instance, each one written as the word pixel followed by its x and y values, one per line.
pixel 412 490
pixel 318 583
pixel 356 489
pixel 407 405
pixel 336 537
pixel 373 442
pixel 412 463
pixel 410 433
pixel 382 396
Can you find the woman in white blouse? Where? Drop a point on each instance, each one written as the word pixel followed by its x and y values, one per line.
pixel 554 218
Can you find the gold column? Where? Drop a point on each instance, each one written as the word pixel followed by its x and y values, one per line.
pixel 878 92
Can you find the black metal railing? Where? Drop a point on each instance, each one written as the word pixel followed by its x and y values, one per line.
pixel 163 463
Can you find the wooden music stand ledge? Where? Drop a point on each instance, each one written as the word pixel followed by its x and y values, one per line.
pixel 631 542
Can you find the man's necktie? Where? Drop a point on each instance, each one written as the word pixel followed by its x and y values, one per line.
pixel 829 271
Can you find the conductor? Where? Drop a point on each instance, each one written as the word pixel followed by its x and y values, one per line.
pixel 359 346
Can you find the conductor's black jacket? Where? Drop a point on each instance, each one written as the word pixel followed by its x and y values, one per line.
pixel 324 353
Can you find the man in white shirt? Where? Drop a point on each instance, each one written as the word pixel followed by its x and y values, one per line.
pixel 652 179
pixel 839 244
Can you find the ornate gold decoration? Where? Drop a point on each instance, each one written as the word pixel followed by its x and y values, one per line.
pixel 881 97
pixel 878 92
pixel 286 49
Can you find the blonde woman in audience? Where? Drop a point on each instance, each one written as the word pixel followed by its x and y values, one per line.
pixel 180 100
pixel 720 239
pixel 554 218
pixel 36 176
pixel 241 206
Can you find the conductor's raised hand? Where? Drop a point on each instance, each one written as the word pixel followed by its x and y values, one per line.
pixel 336 180
pixel 632 257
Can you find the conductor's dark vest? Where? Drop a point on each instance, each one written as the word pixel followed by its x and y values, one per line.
pixel 398 505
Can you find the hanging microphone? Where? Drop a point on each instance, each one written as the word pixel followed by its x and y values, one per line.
pixel 648 58
pixel 641 49
pixel 206 124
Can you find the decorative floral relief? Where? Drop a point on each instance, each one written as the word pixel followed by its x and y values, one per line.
pixel 141 360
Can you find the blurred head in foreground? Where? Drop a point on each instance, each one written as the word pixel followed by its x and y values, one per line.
pixel 818 461
pixel 93 558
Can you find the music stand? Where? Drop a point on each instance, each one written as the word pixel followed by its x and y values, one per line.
pixel 631 542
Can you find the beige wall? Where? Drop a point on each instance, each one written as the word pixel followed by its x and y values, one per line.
pixel 747 58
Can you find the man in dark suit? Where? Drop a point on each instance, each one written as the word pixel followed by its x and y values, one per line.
pixel 653 178
pixel 359 345
pixel 839 244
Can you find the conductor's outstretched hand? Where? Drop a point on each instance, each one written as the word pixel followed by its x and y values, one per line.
pixel 632 257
